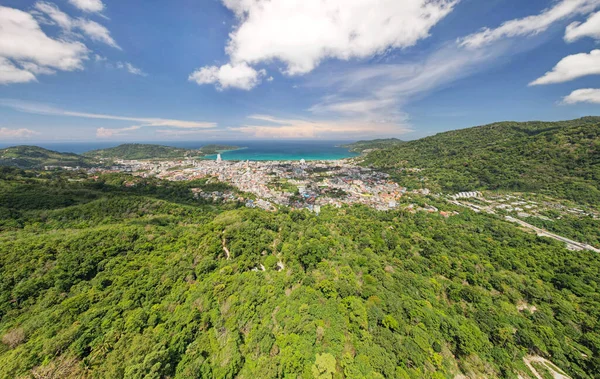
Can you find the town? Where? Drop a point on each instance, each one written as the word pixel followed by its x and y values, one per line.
pixel 313 184
pixel 297 184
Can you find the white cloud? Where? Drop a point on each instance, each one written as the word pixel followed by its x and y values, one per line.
pixel 586 95
pixel 37 70
pixel 184 133
pixel 22 40
pixel 302 33
pixel 17 133
pixel 10 74
pixel 272 127
pixel 91 6
pixel 572 67
pixel 239 76
pixel 141 122
pixel 108 133
pixel 96 32
pixel 56 15
pixel 531 25
pixel 378 93
pixel 130 68
pixel 350 107
pixel 91 29
pixel 590 28
pixel 134 70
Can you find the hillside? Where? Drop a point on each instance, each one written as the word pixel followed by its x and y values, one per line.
pixel 557 158
pixel 150 151
pixel 362 146
pixel 108 280
pixel 37 157
pixel 214 149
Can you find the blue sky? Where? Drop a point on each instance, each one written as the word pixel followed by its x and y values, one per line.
pixel 139 70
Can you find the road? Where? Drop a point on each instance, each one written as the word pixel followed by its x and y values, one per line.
pixel 573 245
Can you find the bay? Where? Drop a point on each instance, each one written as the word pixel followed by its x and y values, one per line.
pixel 251 150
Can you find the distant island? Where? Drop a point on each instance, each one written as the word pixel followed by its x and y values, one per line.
pixel 36 157
pixel 365 146
pixel 135 151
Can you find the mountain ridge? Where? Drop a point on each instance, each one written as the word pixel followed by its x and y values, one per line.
pixel 558 158
pixel 28 156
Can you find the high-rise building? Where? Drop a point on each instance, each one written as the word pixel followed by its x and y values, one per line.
pixel 219 159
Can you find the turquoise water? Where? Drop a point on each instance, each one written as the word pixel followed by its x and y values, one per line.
pixel 286 151
pixel 253 150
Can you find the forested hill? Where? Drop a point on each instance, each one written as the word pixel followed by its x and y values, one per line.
pixel 361 146
pixel 37 157
pixel 141 151
pixel 557 158
pixel 123 277
pixel 150 151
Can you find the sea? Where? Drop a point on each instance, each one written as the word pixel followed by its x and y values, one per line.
pixel 250 150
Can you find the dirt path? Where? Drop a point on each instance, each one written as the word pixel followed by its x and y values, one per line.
pixel 555 371
pixel 225 249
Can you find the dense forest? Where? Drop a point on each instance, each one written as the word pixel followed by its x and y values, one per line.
pixel 150 151
pixel 121 277
pixel 362 146
pixel 561 159
pixel 37 157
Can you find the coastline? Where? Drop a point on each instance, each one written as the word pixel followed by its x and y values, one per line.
pixel 249 150
pixel 256 154
pixel 214 156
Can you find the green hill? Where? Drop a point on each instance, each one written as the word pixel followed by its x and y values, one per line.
pixel 557 158
pixel 215 149
pixel 37 157
pixel 150 151
pixel 104 279
pixel 141 151
pixel 361 146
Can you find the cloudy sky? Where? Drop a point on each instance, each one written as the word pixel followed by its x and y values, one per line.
pixel 194 70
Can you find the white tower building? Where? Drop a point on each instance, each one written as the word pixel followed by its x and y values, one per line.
pixel 219 159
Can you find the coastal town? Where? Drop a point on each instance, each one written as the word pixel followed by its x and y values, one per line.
pixel 297 184
pixel 311 185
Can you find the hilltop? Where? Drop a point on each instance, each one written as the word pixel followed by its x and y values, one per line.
pixel 363 146
pixel 150 151
pixel 37 157
pixel 557 158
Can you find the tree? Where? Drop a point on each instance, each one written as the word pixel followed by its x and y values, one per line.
pixel 324 366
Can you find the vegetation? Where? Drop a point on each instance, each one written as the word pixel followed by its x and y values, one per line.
pixel 214 149
pixel 584 229
pixel 283 186
pixel 141 151
pixel 362 146
pixel 37 157
pixel 149 151
pixel 126 277
pixel 561 159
